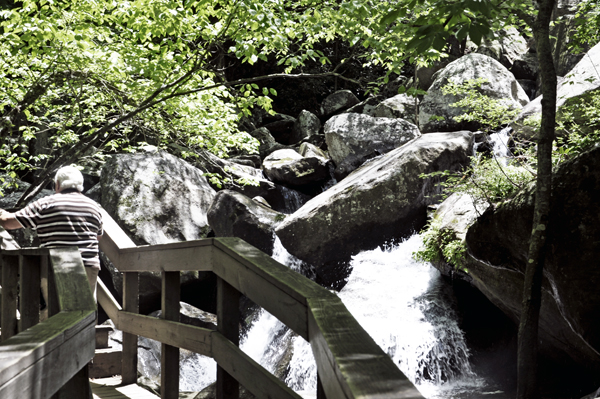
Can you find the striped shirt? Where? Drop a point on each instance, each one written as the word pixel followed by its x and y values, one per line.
pixel 68 218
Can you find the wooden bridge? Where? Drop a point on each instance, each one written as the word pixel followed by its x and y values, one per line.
pixel 48 359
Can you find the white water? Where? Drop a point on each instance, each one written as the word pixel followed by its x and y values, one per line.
pixel 404 306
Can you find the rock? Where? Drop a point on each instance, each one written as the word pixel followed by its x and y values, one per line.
pixel 307 124
pixel 581 79
pixel 366 107
pixel 282 129
pixel 267 141
pixel 235 215
pixel 497 254
pixel 337 102
pixel 510 48
pixel 308 150
pixel 501 85
pixel 385 199
pixel 290 168
pixel 354 138
pixel 157 198
pixel 400 106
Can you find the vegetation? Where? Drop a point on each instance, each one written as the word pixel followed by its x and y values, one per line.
pixel 441 245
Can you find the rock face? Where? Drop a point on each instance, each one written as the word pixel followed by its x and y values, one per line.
pixel 354 138
pixel 291 168
pixel 501 85
pixel 157 197
pixel 383 200
pixel 498 245
pixel 235 215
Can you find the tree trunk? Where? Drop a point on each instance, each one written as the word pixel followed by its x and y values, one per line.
pixel 527 387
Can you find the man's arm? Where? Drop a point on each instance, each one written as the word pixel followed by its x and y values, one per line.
pixel 9 221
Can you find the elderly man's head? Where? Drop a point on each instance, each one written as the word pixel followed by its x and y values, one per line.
pixel 68 177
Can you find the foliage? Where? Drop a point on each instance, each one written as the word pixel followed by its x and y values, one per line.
pixel 489 113
pixel 486 179
pixel 578 124
pixel 587 20
pixel 441 245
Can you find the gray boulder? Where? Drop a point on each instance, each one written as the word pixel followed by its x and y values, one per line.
pixel 501 85
pixel 354 138
pixel 384 199
pixel 582 79
pixel 267 141
pixel 156 197
pixel 512 51
pixel 400 106
pixel 497 254
pixel 339 101
pixel 366 107
pixel 235 215
pixel 307 124
pixel 290 168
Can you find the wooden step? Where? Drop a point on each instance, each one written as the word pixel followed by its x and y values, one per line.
pixel 107 360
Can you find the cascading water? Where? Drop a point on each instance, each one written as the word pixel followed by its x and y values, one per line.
pixel 407 309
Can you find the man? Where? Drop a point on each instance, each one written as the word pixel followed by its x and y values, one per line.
pixel 67 218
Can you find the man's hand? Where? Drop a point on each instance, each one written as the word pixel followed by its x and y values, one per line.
pixel 9 221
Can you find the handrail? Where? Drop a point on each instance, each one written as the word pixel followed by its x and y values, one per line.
pixel 349 363
pixel 45 357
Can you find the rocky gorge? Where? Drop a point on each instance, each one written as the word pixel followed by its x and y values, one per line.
pixel 347 177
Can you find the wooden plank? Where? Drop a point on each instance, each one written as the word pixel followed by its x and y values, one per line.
pixel 38 361
pixel 29 305
pixel 72 286
pixel 108 302
pixel 130 341
pixel 188 255
pixel 228 316
pixel 169 362
pixel 77 387
pixel 349 362
pixel 195 339
pixel 10 293
pixel 250 374
pixel 35 251
pixel 272 297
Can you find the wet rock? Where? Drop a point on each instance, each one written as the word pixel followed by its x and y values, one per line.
pixel 235 215
pixel 501 85
pixel 385 199
pixel 354 138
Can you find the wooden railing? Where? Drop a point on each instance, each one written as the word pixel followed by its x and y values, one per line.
pixel 349 363
pixel 47 359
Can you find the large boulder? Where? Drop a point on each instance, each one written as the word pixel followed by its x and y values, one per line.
pixel 235 215
pixel 156 197
pixel 384 199
pixel 497 254
pixel 354 138
pixel 501 85
pixel 307 124
pixel 290 168
pixel 512 51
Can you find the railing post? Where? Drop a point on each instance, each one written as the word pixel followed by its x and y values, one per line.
pixel 169 374
pixel 320 390
pixel 29 305
pixel 228 318
pixel 130 341
pixel 52 298
pixel 10 292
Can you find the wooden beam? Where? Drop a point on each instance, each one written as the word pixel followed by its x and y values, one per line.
pixel 29 305
pixel 169 362
pixel 250 374
pixel 228 316
pixel 10 293
pixel 130 341
pixel 349 362
pixel 72 286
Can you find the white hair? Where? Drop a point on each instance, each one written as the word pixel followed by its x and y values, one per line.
pixel 69 177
